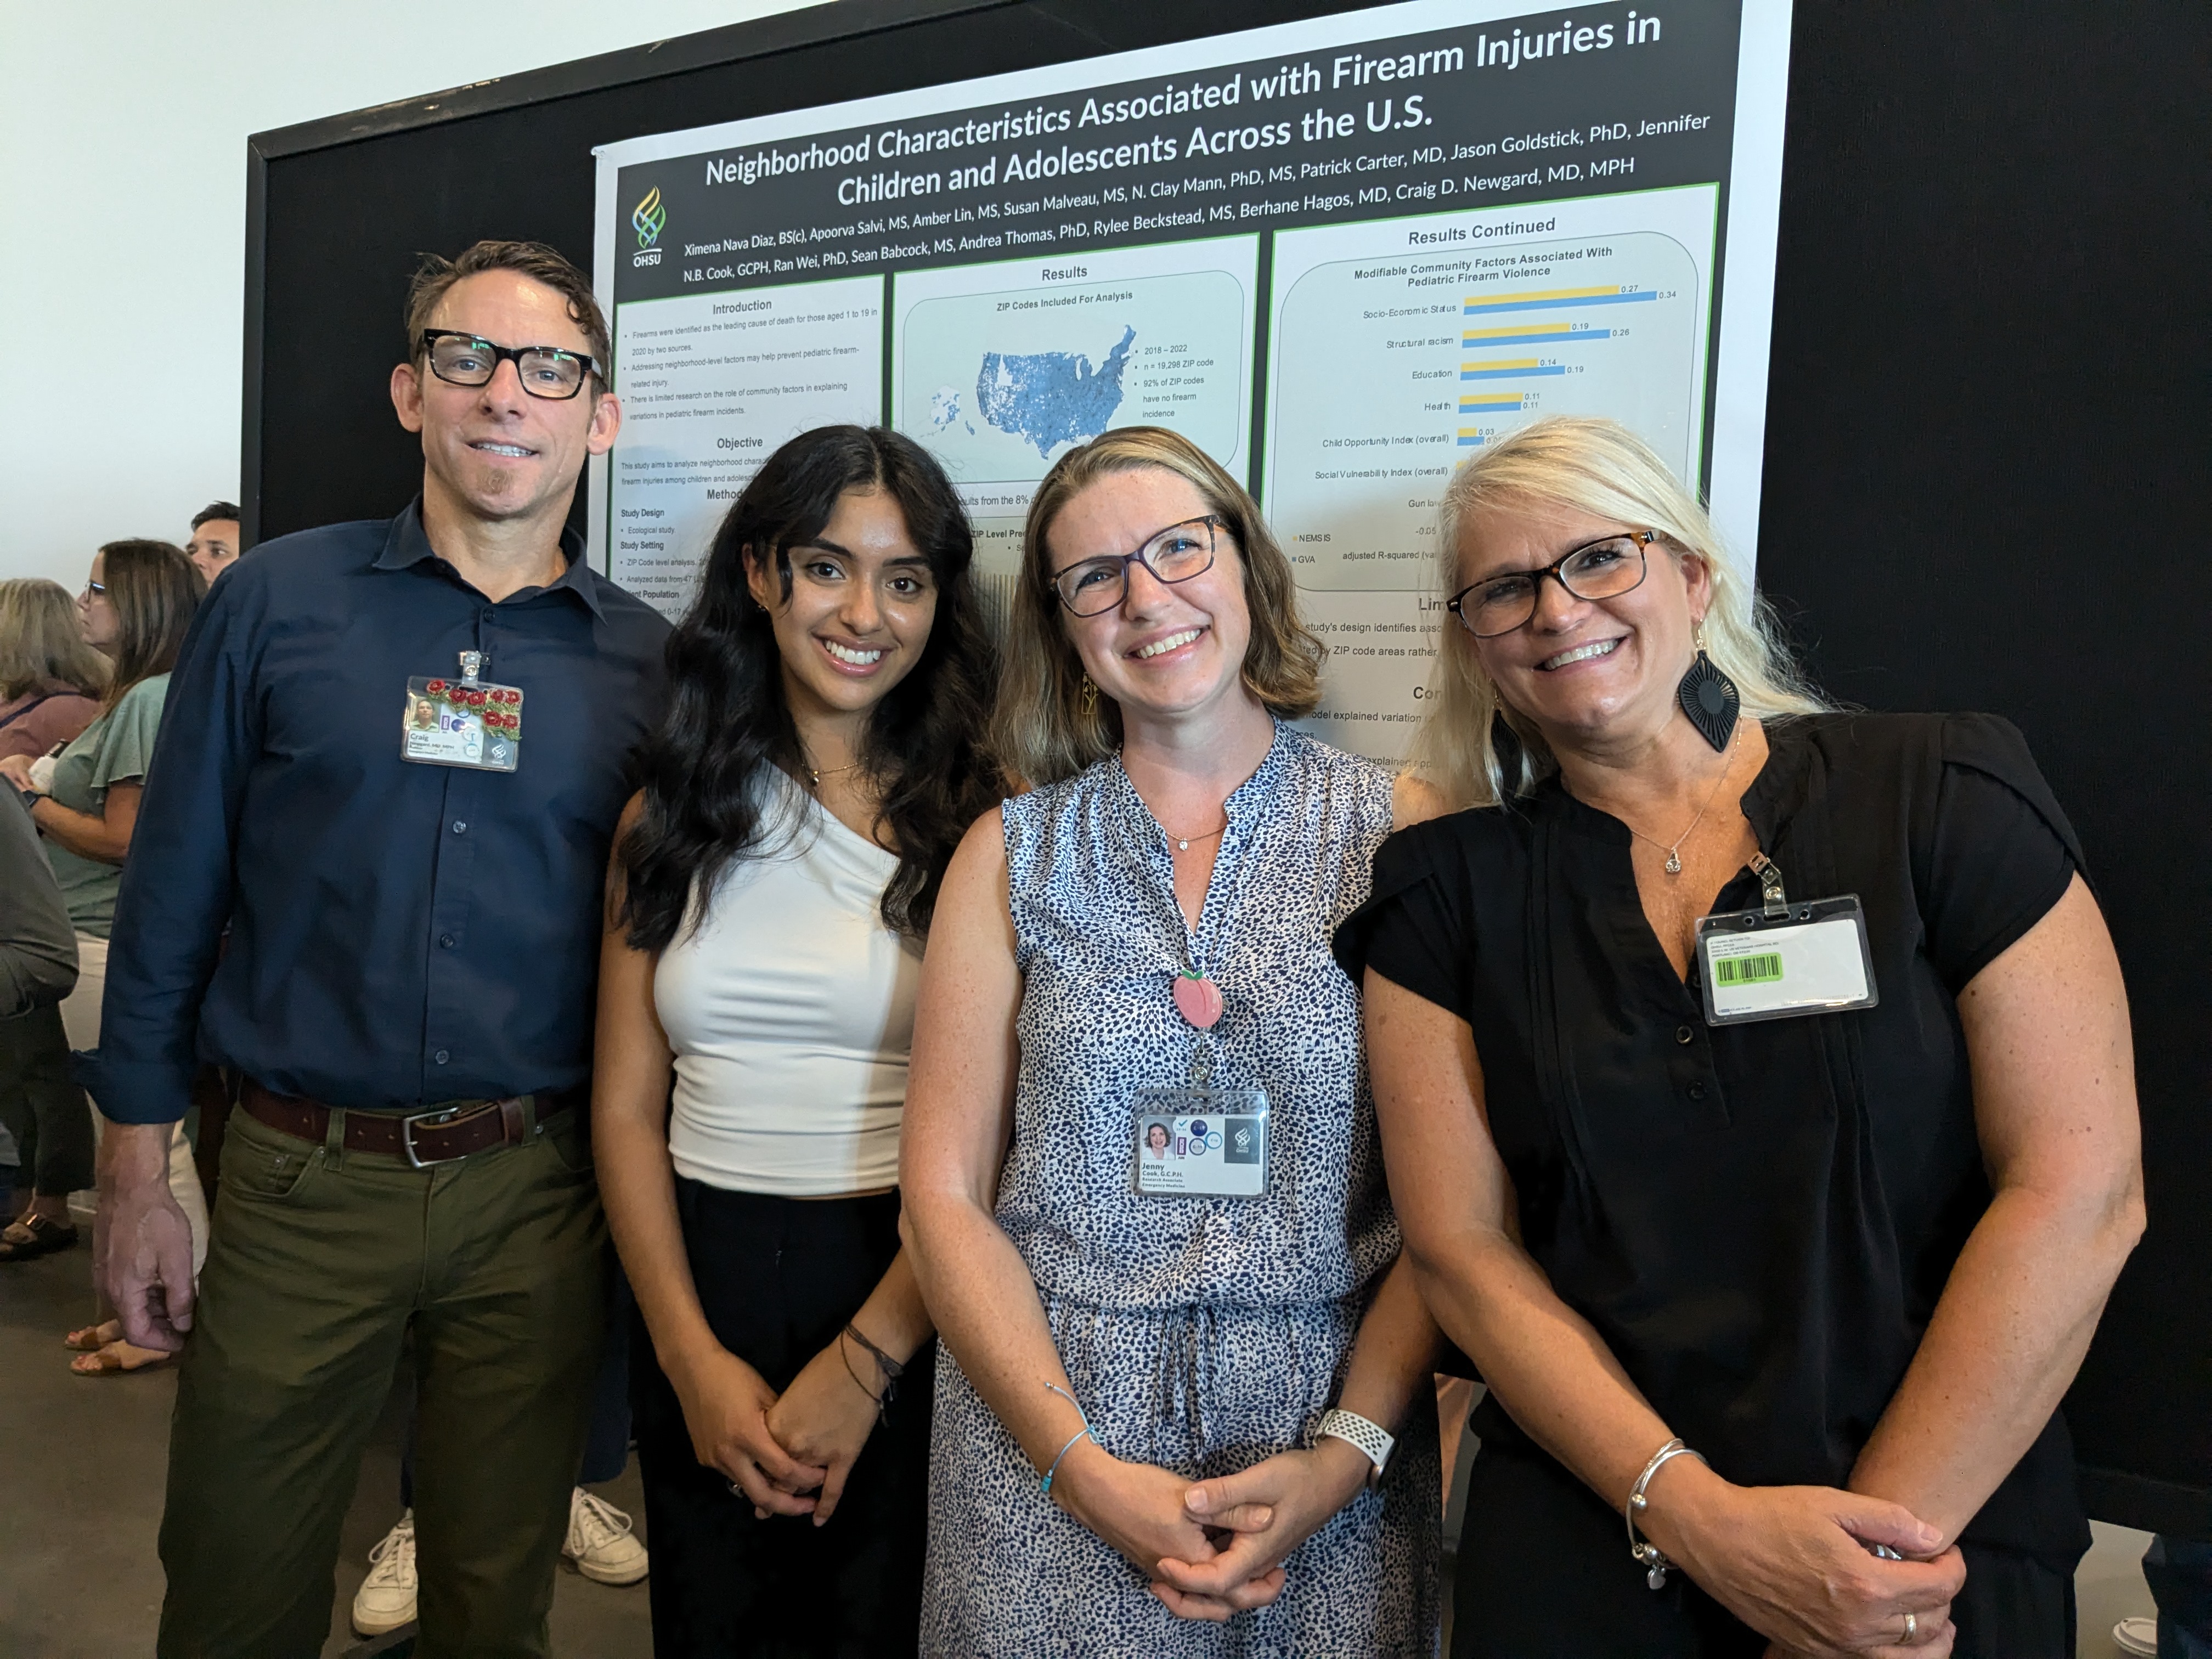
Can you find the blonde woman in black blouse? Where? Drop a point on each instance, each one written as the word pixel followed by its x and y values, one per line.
pixel 1796 1297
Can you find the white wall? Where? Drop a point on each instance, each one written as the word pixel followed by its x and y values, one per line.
pixel 122 129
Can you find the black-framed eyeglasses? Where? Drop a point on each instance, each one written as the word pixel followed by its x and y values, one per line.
pixel 464 359
pixel 93 590
pixel 1091 588
pixel 1602 569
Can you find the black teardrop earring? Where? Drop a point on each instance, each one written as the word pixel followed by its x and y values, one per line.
pixel 1708 697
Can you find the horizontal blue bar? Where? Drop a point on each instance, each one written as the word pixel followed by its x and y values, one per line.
pixel 1468 443
pixel 1536 339
pixel 1508 373
pixel 1496 306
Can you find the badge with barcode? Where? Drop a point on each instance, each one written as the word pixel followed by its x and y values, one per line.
pixel 1810 958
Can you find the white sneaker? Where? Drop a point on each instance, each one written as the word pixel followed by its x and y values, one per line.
pixel 600 1543
pixel 385 1600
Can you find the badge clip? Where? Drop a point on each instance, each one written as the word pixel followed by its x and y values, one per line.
pixel 1776 903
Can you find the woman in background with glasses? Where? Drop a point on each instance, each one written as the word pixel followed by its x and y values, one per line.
pixel 135 610
pixel 1171 1383
pixel 1781 1248
pixel 771 886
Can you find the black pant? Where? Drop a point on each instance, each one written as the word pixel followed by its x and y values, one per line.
pixel 42 1106
pixel 778 1279
pixel 1545 1573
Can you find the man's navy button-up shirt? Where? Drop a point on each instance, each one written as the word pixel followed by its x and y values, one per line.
pixel 400 934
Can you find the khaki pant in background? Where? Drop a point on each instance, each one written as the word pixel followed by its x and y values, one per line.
pixel 322 1261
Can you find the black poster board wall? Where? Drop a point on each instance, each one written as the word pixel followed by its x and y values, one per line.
pixel 1985 481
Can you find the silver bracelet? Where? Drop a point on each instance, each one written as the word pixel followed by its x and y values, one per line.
pixel 1648 1555
pixel 1371 1437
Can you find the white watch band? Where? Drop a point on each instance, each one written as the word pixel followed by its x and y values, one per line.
pixel 1371 1437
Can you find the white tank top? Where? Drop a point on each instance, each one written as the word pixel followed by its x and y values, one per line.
pixel 790 1010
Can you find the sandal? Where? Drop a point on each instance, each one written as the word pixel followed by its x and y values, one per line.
pixel 93 1338
pixel 117 1357
pixel 32 1236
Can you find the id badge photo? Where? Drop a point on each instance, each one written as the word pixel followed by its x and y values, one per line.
pixel 462 722
pixel 1201 1143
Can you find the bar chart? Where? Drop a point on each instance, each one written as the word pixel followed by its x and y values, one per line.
pixel 1389 372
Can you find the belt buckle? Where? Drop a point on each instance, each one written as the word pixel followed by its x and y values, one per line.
pixel 437 1118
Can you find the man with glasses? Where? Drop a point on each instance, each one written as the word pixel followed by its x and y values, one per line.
pixel 393 764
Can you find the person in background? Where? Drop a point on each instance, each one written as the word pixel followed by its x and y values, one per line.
pixel 51 680
pixel 414 918
pixel 1164 1408
pixel 135 610
pixel 1756 1085
pixel 37 950
pixel 822 756
pixel 214 547
pixel 51 683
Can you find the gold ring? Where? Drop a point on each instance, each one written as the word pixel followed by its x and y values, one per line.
pixel 1911 1631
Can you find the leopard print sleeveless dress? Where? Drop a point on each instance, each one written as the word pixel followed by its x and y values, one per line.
pixel 1202 1334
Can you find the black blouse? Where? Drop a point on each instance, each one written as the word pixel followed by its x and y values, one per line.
pixel 1758 1218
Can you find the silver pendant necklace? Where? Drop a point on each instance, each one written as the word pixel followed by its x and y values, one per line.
pixel 1673 865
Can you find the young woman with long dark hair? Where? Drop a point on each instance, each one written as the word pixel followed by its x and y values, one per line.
pixel 822 755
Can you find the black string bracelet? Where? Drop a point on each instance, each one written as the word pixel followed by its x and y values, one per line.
pixel 891 1369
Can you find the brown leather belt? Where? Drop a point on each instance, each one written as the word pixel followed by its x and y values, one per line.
pixel 436 1136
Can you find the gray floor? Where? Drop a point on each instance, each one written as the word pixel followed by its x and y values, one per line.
pixel 81 1470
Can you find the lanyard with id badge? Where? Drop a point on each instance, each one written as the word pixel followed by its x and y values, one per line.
pixel 1785 958
pixel 1198 1141
pixel 465 722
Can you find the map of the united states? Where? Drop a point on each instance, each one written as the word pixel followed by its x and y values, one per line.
pixel 1052 398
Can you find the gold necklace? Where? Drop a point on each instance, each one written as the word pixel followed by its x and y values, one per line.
pixel 1183 844
pixel 1673 865
pixel 815 775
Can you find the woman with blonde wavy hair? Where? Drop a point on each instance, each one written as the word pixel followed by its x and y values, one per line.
pixel 1170 1373
pixel 51 680
pixel 1756 1093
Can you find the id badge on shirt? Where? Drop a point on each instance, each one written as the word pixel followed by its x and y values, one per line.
pixel 463 722
pixel 1811 958
pixel 1201 1143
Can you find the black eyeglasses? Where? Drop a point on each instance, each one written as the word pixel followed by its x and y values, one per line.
pixel 1091 588
pixel 93 590
pixel 1602 569
pixel 462 359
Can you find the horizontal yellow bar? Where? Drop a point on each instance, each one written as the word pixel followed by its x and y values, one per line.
pixel 1503 362
pixel 1541 294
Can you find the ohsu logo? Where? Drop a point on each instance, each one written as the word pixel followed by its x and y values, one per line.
pixel 647 219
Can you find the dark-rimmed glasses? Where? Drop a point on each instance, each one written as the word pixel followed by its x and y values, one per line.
pixel 1602 569
pixel 464 359
pixel 93 590
pixel 1091 588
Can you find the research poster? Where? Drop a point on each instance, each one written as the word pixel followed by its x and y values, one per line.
pixel 1340 255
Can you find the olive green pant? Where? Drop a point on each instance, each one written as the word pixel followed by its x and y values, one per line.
pixel 322 1261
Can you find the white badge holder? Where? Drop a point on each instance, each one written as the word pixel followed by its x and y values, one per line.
pixel 1784 959
pixel 1201 1143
